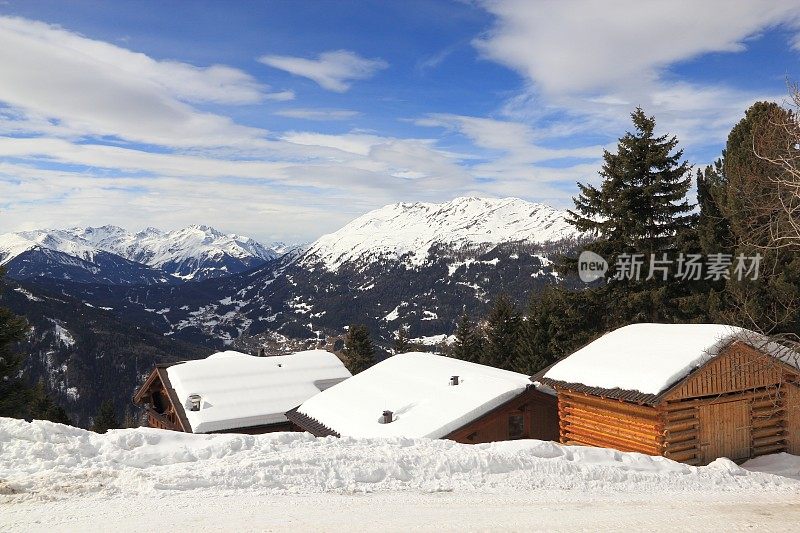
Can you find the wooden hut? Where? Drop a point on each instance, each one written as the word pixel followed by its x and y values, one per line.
pixel 692 392
pixel 426 395
pixel 235 392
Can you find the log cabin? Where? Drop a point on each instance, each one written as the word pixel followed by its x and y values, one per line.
pixel 425 395
pixel 232 392
pixel 689 392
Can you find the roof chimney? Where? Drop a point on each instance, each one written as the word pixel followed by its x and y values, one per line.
pixel 194 402
pixel 387 417
pixel 453 380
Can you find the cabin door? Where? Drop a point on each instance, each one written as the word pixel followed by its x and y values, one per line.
pixel 725 430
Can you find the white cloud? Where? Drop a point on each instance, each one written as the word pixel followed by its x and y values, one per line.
pixel 588 46
pixel 74 86
pixel 318 114
pixel 334 70
pixel 588 64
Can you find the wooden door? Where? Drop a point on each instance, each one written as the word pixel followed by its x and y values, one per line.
pixel 725 430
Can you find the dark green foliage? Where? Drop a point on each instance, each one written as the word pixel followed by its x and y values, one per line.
pixel 14 394
pixel 358 349
pixel 468 345
pixel 42 406
pixel 641 205
pixel 751 203
pixel 106 418
pixel 502 331
pixel 558 322
pixel 402 343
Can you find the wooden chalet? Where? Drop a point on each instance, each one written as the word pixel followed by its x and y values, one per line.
pixel 426 395
pixel 235 392
pixel 692 393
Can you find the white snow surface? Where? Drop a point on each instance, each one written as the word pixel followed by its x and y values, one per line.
pixel 239 390
pixel 650 358
pixel 415 387
pixel 413 228
pixel 46 461
pixel 151 246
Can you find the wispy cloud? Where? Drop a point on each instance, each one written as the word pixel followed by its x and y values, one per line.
pixel 335 70
pixel 318 114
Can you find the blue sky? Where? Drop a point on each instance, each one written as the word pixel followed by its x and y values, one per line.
pixel 285 120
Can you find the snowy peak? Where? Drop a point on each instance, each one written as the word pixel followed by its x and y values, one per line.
pixel 410 229
pixel 195 252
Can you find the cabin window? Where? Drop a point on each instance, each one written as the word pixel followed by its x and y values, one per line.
pixel 516 426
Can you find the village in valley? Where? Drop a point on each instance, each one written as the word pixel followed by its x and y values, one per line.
pixel 492 266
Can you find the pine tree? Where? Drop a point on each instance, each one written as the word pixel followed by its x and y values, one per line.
pixel 42 407
pixel 358 349
pixel 641 205
pixel 752 203
pixel 468 345
pixel 502 334
pixel 106 418
pixel 14 394
pixel 129 421
pixel 402 344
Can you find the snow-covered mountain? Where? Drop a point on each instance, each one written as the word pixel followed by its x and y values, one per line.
pixel 409 231
pixel 192 253
pixel 195 252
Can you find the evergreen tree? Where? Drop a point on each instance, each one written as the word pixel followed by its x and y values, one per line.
pixel 14 394
pixel 502 333
pixel 42 407
pixel 106 418
pixel 752 203
pixel 468 345
pixel 358 349
pixel 129 421
pixel 402 344
pixel 641 205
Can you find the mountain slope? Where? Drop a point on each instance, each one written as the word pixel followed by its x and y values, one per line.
pixel 84 354
pixel 110 254
pixel 451 257
pixel 408 231
pixel 196 252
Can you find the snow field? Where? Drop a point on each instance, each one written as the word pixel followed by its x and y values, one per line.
pixel 46 461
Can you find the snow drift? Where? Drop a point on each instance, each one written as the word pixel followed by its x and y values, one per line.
pixel 43 460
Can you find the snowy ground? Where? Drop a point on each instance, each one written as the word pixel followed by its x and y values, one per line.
pixel 53 476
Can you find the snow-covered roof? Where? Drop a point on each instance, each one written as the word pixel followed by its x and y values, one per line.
pixel 240 390
pixel 416 388
pixel 650 358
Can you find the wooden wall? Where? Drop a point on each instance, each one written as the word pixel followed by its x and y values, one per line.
pixel 739 368
pixel 539 412
pixel 793 417
pixel 594 421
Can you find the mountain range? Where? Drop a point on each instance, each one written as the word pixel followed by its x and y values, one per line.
pixel 109 254
pixel 416 265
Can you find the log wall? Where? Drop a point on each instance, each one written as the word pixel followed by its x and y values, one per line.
pixel 738 426
pixel 593 421
pixel 793 417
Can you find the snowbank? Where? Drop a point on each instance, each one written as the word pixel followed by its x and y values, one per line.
pixel 43 460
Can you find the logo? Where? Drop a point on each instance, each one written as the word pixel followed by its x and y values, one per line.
pixel 591 266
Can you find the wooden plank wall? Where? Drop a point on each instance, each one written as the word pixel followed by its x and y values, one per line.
pixel 692 433
pixel 539 412
pixel 739 368
pixel 593 421
pixel 793 417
